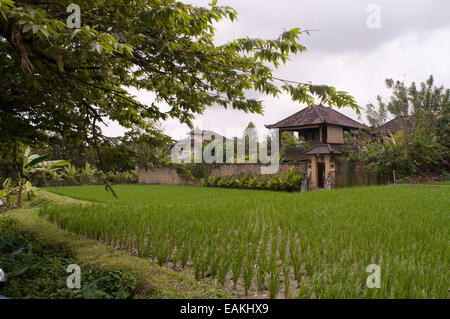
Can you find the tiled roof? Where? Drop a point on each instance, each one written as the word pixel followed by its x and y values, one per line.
pixel 318 114
pixel 325 148
pixel 202 134
pixel 392 126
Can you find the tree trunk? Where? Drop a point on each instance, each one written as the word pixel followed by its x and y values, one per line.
pixel 19 195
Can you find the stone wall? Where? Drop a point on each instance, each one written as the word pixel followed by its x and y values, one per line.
pixel 166 175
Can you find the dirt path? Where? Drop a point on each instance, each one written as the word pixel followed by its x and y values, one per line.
pixel 60 198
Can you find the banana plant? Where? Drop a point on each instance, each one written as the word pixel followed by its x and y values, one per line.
pixel 7 189
pixel 70 173
pixel 29 189
pixel 35 164
pixel 88 172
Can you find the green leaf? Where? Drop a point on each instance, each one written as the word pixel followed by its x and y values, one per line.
pixel 36 160
pixel 19 270
pixel 27 27
pixel 35 28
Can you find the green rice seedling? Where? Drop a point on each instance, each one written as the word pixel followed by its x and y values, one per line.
pixel 176 255
pixel 296 263
pixel 215 264
pixel 273 245
pixel 194 248
pixel 236 269
pixel 203 264
pixel 274 280
pixel 283 245
pixel 262 263
pixel 224 267
pixel 210 259
pixel 163 253
pixel 326 238
pixel 197 268
pixel 261 273
pixel 295 257
pixel 249 269
pixel 147 249
pixel 141 237
pixel 286 279
pixel 239 257
pixel 247 275
pixel 155 250
pixel 184 255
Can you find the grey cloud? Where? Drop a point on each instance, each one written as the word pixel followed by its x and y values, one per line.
pixel 412 43
pixel 340 24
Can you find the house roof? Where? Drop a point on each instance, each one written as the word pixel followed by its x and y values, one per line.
pixel 202 134
pixel 317 114
pixel 325 148
pixel 392 126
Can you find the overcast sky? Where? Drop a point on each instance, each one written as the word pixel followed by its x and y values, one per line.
pixel 413 41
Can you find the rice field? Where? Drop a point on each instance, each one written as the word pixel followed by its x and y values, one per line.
pixel 273 244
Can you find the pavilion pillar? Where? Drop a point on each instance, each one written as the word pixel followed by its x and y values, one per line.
pixel 327 160
pixel 313 183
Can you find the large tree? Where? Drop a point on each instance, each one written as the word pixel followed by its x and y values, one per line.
pixel 422 143
pixel 63 81
pixel 423 107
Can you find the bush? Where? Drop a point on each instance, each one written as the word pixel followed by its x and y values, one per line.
pixel 290 182
pixel 210 181
pixel 444 176
pixel 234 183
pixel 71 176
pixel 198 170
pixel 252 183
pixel 243 182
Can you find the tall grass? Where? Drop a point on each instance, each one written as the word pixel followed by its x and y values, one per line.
pixel 315 244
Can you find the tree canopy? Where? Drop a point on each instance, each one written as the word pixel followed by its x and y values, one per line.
pixel 427 105
pixel 58 82
pixel 420 142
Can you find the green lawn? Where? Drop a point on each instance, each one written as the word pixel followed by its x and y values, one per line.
pixel 261 243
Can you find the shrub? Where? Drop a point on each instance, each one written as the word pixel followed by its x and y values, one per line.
pixel 221 182
pixel 72 176
pixel 252 183
pixel 290 182
pixel 212 180
pixel 274 184
pixel 261 185
pixel 243 182
pixel 198 170
pixel 234 183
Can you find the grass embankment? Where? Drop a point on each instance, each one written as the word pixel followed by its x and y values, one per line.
pixel 262 243
pixel 96 259
pixel 35 270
